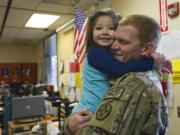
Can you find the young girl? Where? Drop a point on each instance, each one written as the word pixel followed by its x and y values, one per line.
pixel 99 65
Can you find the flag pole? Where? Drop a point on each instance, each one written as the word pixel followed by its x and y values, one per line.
pixel 74 3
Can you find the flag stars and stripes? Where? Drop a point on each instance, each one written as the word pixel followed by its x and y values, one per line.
pixel 79 34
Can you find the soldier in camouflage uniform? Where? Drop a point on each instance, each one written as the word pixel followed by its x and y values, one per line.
pixel 134 104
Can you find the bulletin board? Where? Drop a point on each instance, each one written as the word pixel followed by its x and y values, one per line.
pixel 176 71
pixel 170 47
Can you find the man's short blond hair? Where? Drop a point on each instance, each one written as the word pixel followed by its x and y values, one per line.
pixel 148 28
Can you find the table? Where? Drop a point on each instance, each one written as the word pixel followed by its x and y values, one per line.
pixel 14 125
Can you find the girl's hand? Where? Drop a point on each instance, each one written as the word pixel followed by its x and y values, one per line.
pixel 162 64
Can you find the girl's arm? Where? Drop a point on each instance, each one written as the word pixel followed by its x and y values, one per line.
pixel 163 65
pixel 103 60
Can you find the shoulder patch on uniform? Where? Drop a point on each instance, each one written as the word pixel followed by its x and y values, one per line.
pixel 114 93
pixel 103 111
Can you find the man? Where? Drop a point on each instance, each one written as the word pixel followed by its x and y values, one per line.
pixel 134 104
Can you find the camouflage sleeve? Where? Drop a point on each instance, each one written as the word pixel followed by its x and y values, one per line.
pixel 158 120
pixel 84 131
pixel 92 131
pixel 64 129
pixel 164 116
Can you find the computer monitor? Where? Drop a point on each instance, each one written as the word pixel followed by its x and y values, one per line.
pixel 28 107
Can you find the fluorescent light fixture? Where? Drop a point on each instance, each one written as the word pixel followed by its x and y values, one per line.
pixel 41 20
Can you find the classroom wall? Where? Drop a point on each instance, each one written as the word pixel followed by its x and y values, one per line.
pixel 23 54
pixel 151 8
pixel 40 61
pixel 147 7
pixel 17 53
pixel 65 42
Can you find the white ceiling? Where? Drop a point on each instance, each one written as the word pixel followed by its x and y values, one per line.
pixel 20 11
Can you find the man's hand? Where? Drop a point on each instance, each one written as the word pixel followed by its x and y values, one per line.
pixel 78 120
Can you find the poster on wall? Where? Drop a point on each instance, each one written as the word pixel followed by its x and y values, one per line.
pixel 5 72
pixel 163 15
pixel 15 72
pixel 170 45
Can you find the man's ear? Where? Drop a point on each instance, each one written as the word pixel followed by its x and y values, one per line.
pixel 148 48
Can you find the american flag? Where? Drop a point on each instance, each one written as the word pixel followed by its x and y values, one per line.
pixel 79 34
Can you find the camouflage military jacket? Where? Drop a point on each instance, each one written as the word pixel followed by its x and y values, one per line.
pixel 133 106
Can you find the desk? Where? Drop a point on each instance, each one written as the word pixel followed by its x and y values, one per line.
pixel 4 93
pixel 26 126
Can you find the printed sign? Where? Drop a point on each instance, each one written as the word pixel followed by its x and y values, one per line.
pixel 163 15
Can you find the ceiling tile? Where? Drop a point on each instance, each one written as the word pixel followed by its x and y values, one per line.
pixel 45 34
pixel 10 32
pixel 60 2
pixel 20 11
pixel 56 9
pixel 63 19
pixel 18 18
pixel 25 4
pixel 2 11
pixel 27 33
pixel 85 4
pixel 3 2
pixel 6 40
